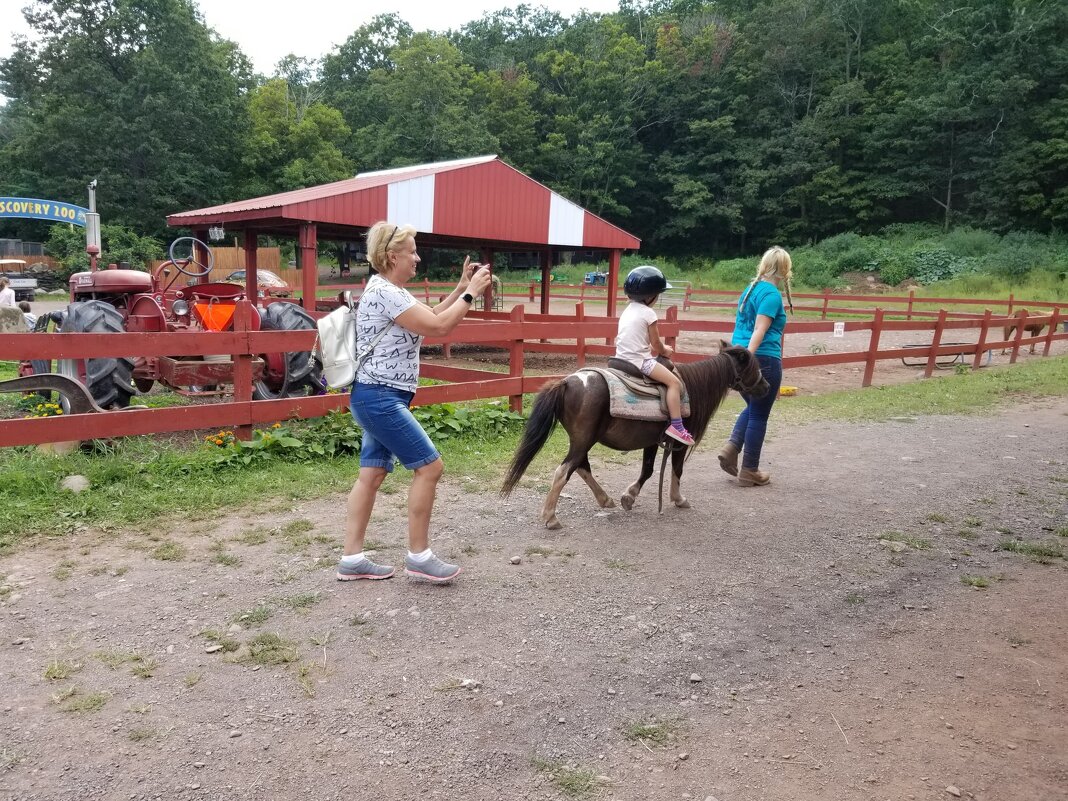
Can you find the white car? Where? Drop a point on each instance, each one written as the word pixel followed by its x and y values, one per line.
pixel 265 279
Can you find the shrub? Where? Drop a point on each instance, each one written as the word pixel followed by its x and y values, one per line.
pixel 939 265
pixel 814 272
pixel 736 271
pixel 895 269
pixel 967 241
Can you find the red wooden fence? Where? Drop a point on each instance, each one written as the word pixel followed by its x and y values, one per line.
pixel 578 335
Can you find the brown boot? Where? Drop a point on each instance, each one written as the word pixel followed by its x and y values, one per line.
pixel 750 478
pixel 728 459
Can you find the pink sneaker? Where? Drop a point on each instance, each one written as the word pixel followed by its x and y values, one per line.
pixel 679 434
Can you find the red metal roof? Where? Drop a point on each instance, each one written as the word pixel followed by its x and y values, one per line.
pixel 479 198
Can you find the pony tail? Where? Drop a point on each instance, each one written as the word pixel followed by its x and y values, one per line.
pixel 543 419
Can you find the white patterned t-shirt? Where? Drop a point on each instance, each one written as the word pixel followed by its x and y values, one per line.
pixel 394 361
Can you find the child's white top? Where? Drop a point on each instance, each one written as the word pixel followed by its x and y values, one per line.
pixel 632 340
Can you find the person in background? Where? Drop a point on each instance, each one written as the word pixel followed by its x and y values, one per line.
pixel 7 294
pixel 31 318
pixel 392 323
pixel 758 326
pixel 638 342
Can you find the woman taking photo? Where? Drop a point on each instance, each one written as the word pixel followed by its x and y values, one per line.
pixel 393 323
pixel 758 326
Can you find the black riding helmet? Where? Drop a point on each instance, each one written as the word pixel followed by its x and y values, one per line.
pixel 645 282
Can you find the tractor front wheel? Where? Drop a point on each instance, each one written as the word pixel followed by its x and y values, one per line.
pixel 288 374
pixel 108 379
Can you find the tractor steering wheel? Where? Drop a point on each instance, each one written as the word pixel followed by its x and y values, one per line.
pixel 183 263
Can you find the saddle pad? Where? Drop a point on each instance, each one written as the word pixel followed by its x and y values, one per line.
pixel 636 400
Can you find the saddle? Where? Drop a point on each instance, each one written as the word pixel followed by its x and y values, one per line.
pixel 632 396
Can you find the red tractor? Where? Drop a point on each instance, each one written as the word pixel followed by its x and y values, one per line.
pixel 121 300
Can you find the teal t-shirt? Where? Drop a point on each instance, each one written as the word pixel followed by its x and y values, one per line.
pixel 764 299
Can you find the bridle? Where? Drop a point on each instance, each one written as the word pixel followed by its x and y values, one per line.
pixel 738 378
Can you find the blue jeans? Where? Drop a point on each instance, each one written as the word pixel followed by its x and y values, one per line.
pixel 752 423
pixel 390 432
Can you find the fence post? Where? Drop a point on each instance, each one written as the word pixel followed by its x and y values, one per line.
pixel 1021 320
pixel 1008 312
pixel 873 347
pixel 515 357
pixel 1053 321
pixel 936 339
pixel 672 316
pixel 686 298
pixel 580 342
pixel 912 297
pixel 243 369
pixel 979 346
pixel 531 291
pixel 826 301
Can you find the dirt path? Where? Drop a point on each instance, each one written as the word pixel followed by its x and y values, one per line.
pixel 762 645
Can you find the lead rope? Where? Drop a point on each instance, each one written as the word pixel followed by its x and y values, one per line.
pixel 669 445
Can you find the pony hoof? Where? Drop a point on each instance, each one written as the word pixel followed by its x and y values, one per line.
pixel 553 524
pixel 682 504
pixel 626 502
pixel 608 504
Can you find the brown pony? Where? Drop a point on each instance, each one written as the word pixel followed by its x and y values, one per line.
pixel 580 401
pixel 1030 329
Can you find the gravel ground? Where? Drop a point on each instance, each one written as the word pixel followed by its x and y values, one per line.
pixel 812 639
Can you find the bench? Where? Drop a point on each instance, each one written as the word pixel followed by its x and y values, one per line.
pixel 943 362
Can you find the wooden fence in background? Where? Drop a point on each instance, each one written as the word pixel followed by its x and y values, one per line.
pixel 578 335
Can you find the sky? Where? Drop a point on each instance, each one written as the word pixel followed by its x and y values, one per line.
pixel 268 30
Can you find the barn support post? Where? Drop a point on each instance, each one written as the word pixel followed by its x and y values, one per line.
pixel 243 370
pixel 309 263
pixel 486 257
pixel 580 341
pixel 984 332
pixel 613 280
pixel 252 281
pixel 936 340
pixel 546 275
pixel 515 357
pixel 873 347
pixel 202 254
pixel 1054 320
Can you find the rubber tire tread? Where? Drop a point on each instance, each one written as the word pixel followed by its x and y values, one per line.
pixel 109 380
pixel 304 371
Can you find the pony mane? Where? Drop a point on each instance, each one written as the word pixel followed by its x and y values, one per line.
pixel 707 381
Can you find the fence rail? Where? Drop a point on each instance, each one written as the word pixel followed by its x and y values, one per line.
pixel 577 335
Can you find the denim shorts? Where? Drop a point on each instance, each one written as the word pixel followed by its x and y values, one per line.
pixel 390 432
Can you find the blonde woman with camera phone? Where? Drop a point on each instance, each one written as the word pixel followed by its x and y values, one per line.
pixel 382 395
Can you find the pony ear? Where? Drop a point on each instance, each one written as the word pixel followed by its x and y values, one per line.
pixel 723 345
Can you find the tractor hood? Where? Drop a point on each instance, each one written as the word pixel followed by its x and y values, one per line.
pixel 110 281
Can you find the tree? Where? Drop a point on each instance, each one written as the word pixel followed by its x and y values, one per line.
pixel 289 145
pixel 139 95
pixel 420 109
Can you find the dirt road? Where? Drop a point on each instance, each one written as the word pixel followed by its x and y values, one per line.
pixel 812 639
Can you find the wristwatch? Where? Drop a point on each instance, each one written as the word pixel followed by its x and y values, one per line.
pixel 467 297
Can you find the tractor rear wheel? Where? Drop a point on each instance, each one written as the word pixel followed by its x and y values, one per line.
pixel 288 374
pixel 108 379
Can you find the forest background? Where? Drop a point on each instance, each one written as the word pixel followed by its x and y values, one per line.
pixel 912 138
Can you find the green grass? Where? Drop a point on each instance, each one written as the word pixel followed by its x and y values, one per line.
pixel 58 670
pixel 1038 551
pixel 271 649
pixel 658 732
pixel 917 543
pixel 134 481
pixel 574 781
pixel 979 582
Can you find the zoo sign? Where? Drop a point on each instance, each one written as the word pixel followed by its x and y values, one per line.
pixel 32 208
